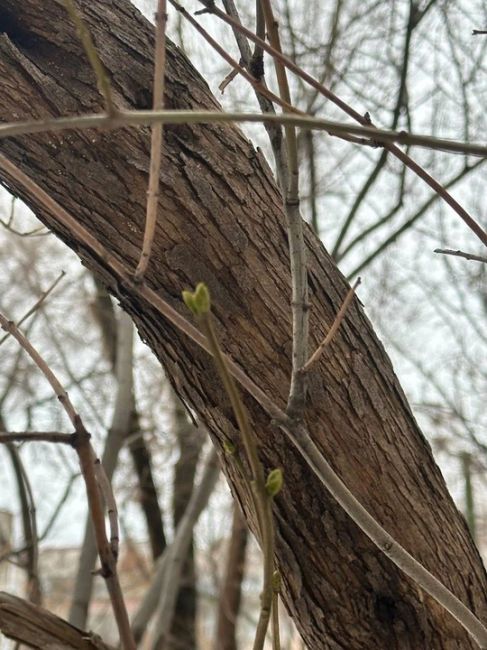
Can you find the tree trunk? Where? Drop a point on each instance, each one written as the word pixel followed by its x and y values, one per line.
pixel 190 440
pixel 231 588
pixel 221 222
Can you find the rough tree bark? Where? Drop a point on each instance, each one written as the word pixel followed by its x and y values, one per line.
pixel 221 222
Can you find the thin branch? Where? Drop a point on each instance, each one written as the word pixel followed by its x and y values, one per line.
pixel 97 66
pixel 262 500
pixel 297 249
pixel 374 136
pixel 111 506
pixel 298 435
pixel 37 436
pixel 156 140
pixel 467 256
pixel 37 304
pixel 333 329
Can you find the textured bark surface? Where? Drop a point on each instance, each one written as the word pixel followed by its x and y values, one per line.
pixel 221 222
pixel 35 627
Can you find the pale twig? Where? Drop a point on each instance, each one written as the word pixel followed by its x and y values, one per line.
pixel 37 304
pixel 110 504
pixel 467 256
pixel 297 249
pixel 97 66
pixel 276 590
pixel 373 135
pixel 156 140
pixel 333 329
pixel 298 435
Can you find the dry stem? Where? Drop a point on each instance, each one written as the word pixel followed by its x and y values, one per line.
pixel 333 329
pixel 156 140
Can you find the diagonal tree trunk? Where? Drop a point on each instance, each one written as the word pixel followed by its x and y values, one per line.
pixel 221 222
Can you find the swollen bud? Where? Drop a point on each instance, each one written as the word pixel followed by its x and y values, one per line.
pixel 229 447
pixel 199 301
pixel 274 482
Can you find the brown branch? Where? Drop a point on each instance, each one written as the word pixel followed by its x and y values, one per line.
pixel 156 140
pixel 37 436
pixel 297 434
pixel 36 627
pixel 37 304
pixel 333 329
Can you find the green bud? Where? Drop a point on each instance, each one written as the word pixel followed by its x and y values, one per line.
pixel 276 582
pixel 188 298
pixel 202 298
pixel 198 301
pixel 274 482
pixel 229 447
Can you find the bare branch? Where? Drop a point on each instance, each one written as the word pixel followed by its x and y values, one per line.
pixel 467 256
pixel 36 627
pixel 156 140
pixel 37 304
pixel 37 436
pixel 333 329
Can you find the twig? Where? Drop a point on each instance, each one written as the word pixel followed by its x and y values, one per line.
pixel 111 506
pixel 259 87
pixel 85 37
pixel 37 304
pixel 297 249
pixel 37 436
pixel 475 32
pixel 276 589
pixel 298 435
pixel 333 329
pixel 156 140
pixel 467 256
pixel 375 136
